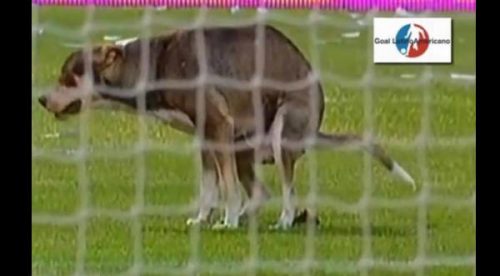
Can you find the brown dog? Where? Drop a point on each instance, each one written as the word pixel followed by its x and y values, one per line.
pixel 238 89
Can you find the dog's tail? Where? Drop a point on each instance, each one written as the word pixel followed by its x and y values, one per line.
pixel 335 141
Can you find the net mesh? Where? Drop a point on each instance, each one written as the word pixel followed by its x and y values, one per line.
pixel 85 222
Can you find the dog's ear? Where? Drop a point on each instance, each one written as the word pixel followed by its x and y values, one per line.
pixel 109 54
pixel 79 81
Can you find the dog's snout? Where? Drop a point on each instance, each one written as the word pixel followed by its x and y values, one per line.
pixel 43 101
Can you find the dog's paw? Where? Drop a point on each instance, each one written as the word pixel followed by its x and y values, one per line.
pixel 223 226
pixel 243 218
pixel 281 225
pixel 195 221
pixel 304 217
pixel 285 221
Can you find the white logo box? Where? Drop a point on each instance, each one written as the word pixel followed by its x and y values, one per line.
pixel 439 32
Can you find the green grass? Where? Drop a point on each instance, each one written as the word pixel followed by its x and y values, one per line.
pixel 167 245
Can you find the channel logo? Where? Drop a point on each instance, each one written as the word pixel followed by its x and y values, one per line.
pixel 412 40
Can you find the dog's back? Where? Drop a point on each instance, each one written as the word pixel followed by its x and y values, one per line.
pixel 236 56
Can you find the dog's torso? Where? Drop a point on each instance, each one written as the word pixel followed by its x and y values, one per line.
pixel 234 68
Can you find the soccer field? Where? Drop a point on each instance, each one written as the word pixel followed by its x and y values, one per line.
pixel 85 210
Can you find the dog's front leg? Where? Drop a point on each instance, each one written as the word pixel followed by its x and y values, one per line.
pixel 209 191
pixel 230 184
pixel 219 129
pixel 227 174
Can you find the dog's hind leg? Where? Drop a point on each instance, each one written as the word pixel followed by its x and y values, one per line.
pixel 288 211
pixel 285 164
pixel 256 191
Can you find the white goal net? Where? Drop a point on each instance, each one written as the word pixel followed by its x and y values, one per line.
pixel 112 190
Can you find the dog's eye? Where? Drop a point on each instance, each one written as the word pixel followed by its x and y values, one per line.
pixel 67 80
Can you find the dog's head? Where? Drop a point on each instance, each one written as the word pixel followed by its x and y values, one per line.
pixel 72 94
